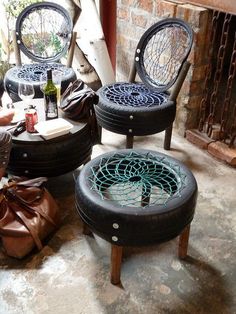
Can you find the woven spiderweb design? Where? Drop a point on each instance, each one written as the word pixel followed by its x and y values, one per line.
pixel 45 32
pixel 134 95
pixel 136 179
pixel 32 72
pixel 161 55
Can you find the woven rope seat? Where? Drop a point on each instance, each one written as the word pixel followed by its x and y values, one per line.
pixel 31 73
pixel 127 106
pixel 136 197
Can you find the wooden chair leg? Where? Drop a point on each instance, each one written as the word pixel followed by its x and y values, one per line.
pixel 99 134
pixel 116 258
pixel 183 242
pixel 86 229
pixel 2 172
pixel 167 140
pixel 129 141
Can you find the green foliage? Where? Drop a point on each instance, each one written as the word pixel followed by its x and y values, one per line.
pixel 55 43
pixel 14 7
pixel 4 65
pixel 0 52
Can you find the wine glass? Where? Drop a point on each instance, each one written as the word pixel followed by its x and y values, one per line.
pixel 26 92
pixel 56 78
pixel 42 81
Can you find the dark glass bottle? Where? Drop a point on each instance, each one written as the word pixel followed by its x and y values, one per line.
pixel 50 98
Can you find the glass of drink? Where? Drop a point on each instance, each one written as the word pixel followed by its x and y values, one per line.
pixel 56 78
pixel 26 92
pixel 42 81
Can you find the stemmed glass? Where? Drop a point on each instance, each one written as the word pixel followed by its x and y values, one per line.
pixel 42 81
pixel 26 92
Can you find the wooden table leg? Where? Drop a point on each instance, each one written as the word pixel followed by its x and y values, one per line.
pixel 167 139
pixel 116 258
pixel 129 141
pixel 183 242
pixel 99 129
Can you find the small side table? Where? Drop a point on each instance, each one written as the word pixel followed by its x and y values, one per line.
pixel 33 156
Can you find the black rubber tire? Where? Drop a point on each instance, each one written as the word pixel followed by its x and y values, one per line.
pixel 11 82
pixel 153 224
pixel 129 120
pixel 51 158
pixel 1 88
pixel 148 37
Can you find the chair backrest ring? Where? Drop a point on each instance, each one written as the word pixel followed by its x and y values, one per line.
pixel 161 52
pixel 43 31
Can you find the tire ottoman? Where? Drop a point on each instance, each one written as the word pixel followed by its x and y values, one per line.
pixel 134 198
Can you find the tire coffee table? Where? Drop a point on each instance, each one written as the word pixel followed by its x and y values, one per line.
pixel 33 156
pixel 134 198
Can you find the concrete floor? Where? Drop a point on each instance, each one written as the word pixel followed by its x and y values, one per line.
pixel 71 273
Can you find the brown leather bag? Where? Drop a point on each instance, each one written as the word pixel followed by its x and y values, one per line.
pixel 77 100
pixel 77 103
pixel 28 214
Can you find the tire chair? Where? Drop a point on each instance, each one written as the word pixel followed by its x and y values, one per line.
pixel 44 34
pixel 148 107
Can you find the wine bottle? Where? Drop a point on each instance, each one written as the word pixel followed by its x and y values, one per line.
pixel 50 98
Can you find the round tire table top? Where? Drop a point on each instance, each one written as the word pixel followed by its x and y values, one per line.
pixel 32 137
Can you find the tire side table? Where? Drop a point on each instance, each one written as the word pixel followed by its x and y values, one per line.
pixel 134 198
pixel 33 156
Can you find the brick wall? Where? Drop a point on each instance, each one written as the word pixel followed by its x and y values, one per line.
pixel 135 16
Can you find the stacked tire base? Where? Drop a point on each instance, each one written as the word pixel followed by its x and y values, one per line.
pixel 52 157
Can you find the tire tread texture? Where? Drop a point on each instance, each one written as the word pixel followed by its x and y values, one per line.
pixel 53 157
pixel 130 120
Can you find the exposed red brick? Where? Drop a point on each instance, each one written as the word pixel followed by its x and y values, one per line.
pixel 123 41
pixel 166 9
pixel 194 102
pixel 128 2
pixel 139 20
pixel 196 16
pixel 124 59
pixel 198 138
pixel 198 72
pixel 223 152
pixel 198 56
pixel 146 5
pixel 123 13
pixel 192 88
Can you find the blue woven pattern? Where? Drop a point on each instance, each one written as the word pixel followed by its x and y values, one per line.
pixel 133 94
pixel 32 72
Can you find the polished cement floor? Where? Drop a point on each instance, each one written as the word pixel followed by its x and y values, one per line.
pixel 71 273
